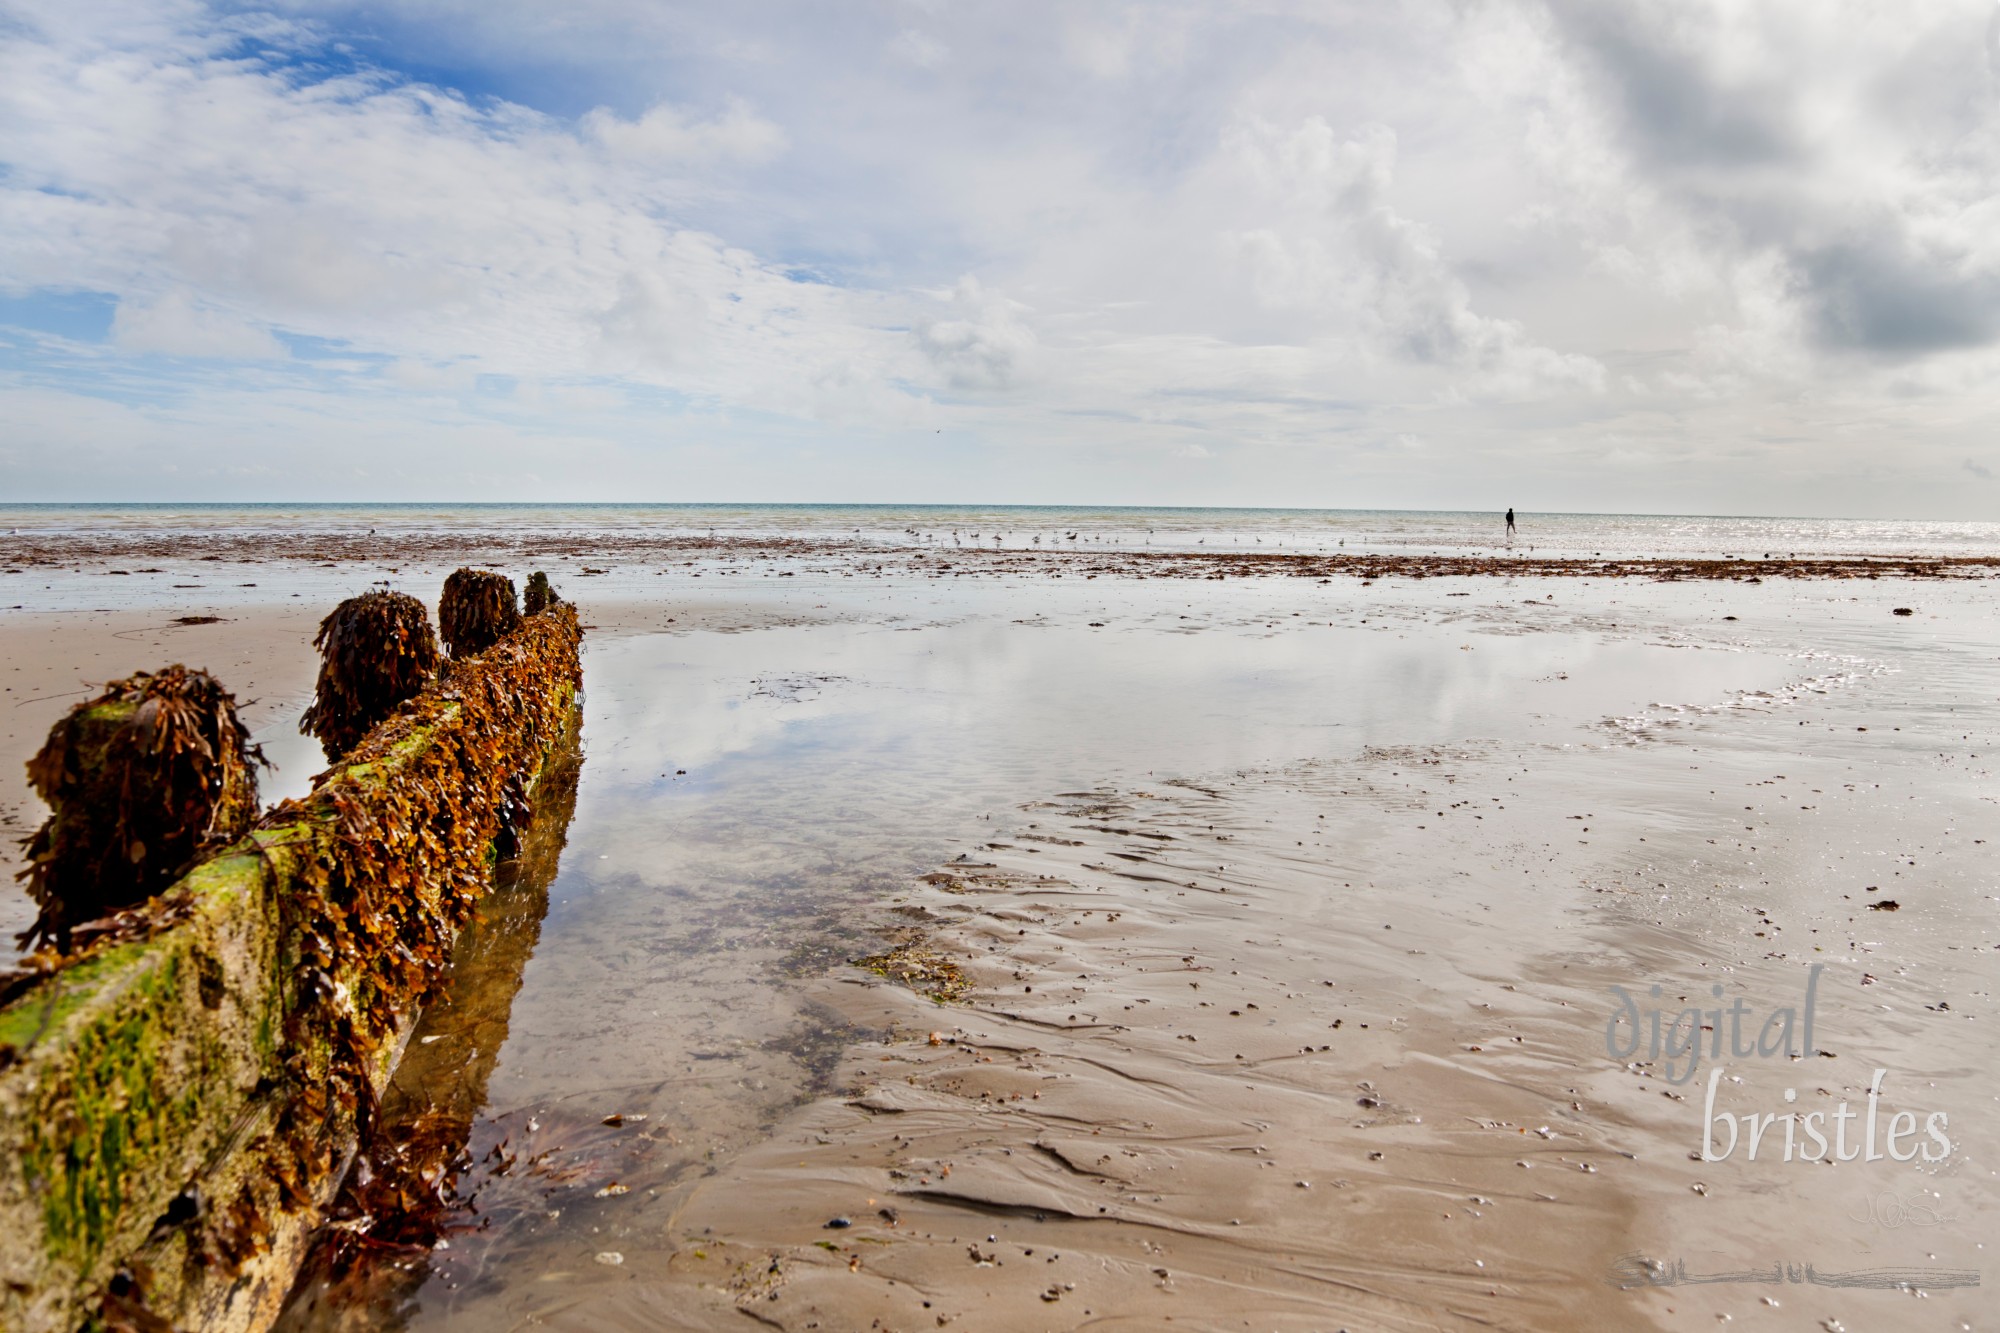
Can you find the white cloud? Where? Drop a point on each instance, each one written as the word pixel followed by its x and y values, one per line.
pixel 655 323
pixel 671 134
pixel 916 48
pixel 430 377
pixel 395 218
pixel 1115 44
pixel 1336 245
pixel 175 325
pixel 986 347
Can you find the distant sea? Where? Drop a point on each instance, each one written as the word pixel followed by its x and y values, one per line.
pixel 1305 530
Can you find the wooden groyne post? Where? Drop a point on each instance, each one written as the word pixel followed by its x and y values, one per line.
pixel 179 1100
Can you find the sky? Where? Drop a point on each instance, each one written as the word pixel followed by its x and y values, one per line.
pixel 1704 256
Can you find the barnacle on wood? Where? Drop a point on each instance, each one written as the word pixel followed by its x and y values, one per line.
pixel 141 781
pixel 376 651
pixel 478 607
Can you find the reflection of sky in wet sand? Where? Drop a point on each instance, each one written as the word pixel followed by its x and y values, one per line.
pixel 879 745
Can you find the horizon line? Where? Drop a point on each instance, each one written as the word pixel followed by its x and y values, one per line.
pixel 930 504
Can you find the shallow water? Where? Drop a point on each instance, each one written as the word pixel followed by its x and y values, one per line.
pixel 824 763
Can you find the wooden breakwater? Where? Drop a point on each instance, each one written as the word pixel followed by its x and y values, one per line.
pixel 177 1106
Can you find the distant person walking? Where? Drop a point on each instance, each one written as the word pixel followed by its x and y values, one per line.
pixel 1510 524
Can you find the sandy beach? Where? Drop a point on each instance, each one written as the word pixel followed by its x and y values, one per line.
pixel 1008 941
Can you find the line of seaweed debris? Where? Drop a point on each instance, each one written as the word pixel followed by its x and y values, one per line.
pixel 23 551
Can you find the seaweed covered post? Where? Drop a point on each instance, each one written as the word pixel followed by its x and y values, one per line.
pixel 377 650
pixel 414 1182
pixel 180 1095
pixel 141 782
pixel 541 594
pixel 477 610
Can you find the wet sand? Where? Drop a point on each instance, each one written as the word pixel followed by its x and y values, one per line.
pixel 1291 1019
pixel 1144 1110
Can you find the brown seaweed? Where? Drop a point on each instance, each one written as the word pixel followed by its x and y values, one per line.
pixel 667 547
pixel 377 650
pixel 371 919
pixel 414 1181
pixel 477 610
pixel 141 782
